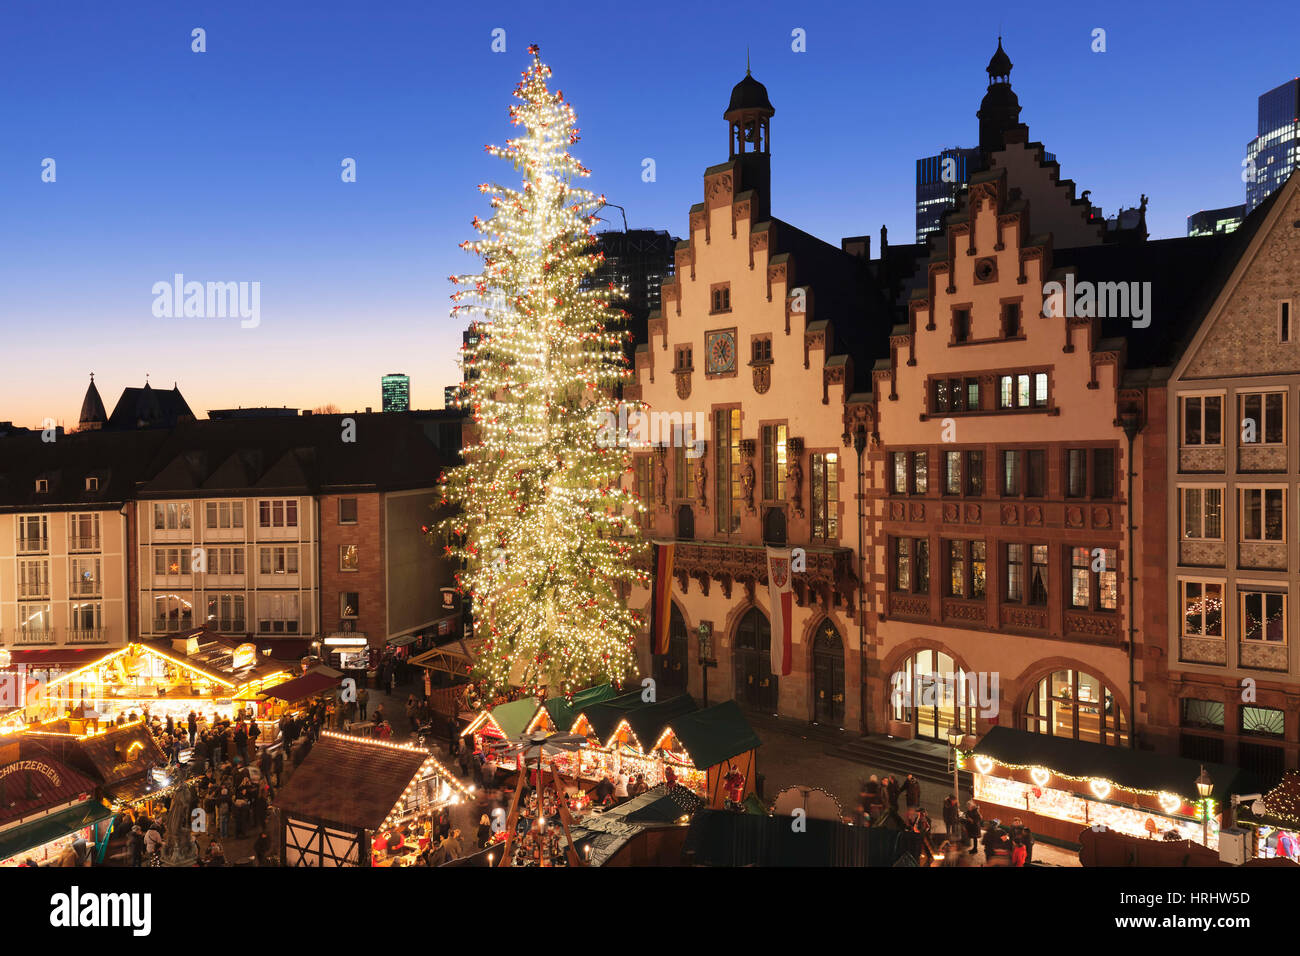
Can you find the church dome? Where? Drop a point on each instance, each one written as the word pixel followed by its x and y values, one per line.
pixel 749 94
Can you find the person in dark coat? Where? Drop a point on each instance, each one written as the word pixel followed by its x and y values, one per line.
pixel 193 724
pixel 261 847
pixel 974 824
pixel 952 820
pixel 1026 837
pixel 891 791
pixel 875 796
pixel 912 792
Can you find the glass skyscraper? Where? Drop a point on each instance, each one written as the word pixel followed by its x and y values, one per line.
pixel 938 181
pixel 396 392
pixel 1275 151
pixel 1209 222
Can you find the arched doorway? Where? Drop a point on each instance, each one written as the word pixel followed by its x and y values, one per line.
pixel 924 692
pixel 1076 705
pixel 756 686
pixel 828 675
pixel 685 523
pixel 671 669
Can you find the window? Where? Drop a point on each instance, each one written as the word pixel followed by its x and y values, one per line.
pixel 825 496
pixel 1011 473
pixel 349 558
pixel 952 473
pixel 350 604
pixel 975 473
pixel 1040 390
pixel 33 533
pixel 83 532
pixel 1263 417
pixel 86 616
pixel 1023 390
pixel 1203 420
pixel 277 614
pixel 1202 608
pixel 899 482
pixel 226 612
pixel 171 516
pixel 1103 473
pixel 278 513
pixel 34 619
pixel 225 560
pixel 912 565
pixel 644 489
pixel 1011 319
pixel 1036 474
pixel 955 395
pixel 347 511
pixel 721 299
pixel 762 349
pixel 1263 616
pixel 42 486
pixel 1075 705
pixel 34 579
pixel 1263 514
pixel 168 561
pixel 966 569
pixel 682 362
pixel 1038 574
pixel 683 464
pixel 1284 322
pixel 84 578
pixel 92 484
pixel 774 462
pixel 1015 572
pixel 920 472
pixel 278 560
pixel 728 491
pixel 961 325
pixel 1092 589
pixel 911 472
pixel 972 395
pixel 1202 518
pixel 172 613
pixel 1202 714
pixel 1262 721
pixel 224 514
pixel 1076 473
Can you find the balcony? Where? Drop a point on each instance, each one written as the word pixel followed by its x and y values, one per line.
pixel 95 635
pixel 77 543
pixel 1096 626
pixel 162 625
pixel 31 636
pixel 39 591
pixel 34 545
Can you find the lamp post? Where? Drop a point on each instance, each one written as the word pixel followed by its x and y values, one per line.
pixel 1205 787
pixel 705 631
pixel 954 738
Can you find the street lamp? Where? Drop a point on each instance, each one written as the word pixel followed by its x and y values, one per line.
pixel 954 738
pixel 1205 787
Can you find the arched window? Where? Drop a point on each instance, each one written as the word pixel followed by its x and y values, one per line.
pixel 828 675
pixel 932 694
pixel 671 669
pixel 1076 705
pixel 774 526
pixel 756 686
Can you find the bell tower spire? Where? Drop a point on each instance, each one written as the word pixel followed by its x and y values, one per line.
pixel 749 135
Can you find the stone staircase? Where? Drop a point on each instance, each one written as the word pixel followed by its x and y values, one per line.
pixel 925 759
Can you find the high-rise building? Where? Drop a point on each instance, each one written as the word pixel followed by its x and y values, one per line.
pixel 939 179
pixel 1211 222
pixel 396 390
pixel 637 261
pixel 1275 150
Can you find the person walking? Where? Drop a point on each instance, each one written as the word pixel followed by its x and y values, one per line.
pixel 892 790
pixel 953 831
pixel 363 702
pixel 912 792
pixel 973 826
pixel 193 725
pixel 875 796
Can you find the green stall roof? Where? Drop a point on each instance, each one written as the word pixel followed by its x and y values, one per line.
pixel 563 712
pixel 28 836
pixel 715 734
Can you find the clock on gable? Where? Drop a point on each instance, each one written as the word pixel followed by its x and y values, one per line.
pixel 720 346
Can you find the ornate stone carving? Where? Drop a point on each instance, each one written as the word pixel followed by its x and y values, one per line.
pixel 1010 515
pixel 1101 517
pixel 747 483
pixel 973 514
pixel 762 378
pixel 1074 517
pixel 702 481
pixel 1092 625
pixel 916 511
pixel 958 610
pixel 1033 516
pixel 951 513
pixel 683 384
pixel 909 605
pixel 897 511
pixel 794 475
pixel 1027 618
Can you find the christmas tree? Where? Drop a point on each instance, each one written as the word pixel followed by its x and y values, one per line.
pixel 542 525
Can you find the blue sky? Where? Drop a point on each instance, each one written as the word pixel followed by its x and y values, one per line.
pixel 225 165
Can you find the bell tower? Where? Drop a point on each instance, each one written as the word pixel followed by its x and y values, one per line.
pixel 749 138
pixel 1000 109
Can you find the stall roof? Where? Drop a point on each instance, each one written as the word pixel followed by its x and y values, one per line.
pixel 1122 766
pixel 715 734
pixel 661 805
pixel 647 720
pixel 116 755
pixel 54 657
pixel 350 781
pixel 37 833
pixel 455 657
pixel 563 711
pixel 1281 805
pixel 300 688
pixel 514 717
pixel 35 781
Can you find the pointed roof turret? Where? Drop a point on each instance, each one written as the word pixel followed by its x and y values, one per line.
pixel 92 408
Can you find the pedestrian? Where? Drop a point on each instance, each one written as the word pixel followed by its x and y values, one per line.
pixel 892 790
pixel 135 846
pixel 484 830
pixel 952 828
pixel 620 786
pixel 973 824
pixel 1025 836
pixel 193 724
pixel 874 794
pixel 363 701
pixel 453 739
pixel 262 847
pixel 912 792
pixel 1017 853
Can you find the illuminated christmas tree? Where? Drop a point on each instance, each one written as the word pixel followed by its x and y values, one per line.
pixel 547 534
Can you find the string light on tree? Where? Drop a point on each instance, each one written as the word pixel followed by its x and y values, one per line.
pixel 546 532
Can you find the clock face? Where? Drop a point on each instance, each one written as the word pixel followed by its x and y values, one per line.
pixel 722 351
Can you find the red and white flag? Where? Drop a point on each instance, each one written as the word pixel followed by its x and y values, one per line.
pixel 781 598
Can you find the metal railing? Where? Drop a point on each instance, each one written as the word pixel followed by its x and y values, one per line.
pixel 41 590
pixel 31 635
pixel 33 545
pixel 79 543
pixel 95 635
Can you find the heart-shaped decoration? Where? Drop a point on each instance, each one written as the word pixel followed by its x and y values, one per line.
pixel 984 764
pixel 1040 776
pixel 1170 802
pixel 1100 788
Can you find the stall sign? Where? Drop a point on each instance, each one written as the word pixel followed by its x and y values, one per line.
pixel 450 599
pixel 245 655
pixel 30 765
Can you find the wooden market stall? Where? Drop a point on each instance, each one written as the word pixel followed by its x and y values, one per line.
pixel 708 746
pixel 623 732
pixel 501 723
pixel 357 801
pixel 45 806
pixel 1060 786
pixel 168 677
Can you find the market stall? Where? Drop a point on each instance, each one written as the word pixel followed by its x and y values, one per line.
pixel 357 801
pixel 1277 829
pixel 45 806
pixel 493 726
pixel 623 732
pixel 1060 786
pixel 713 752
pixel 126 764
pixel 199 671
